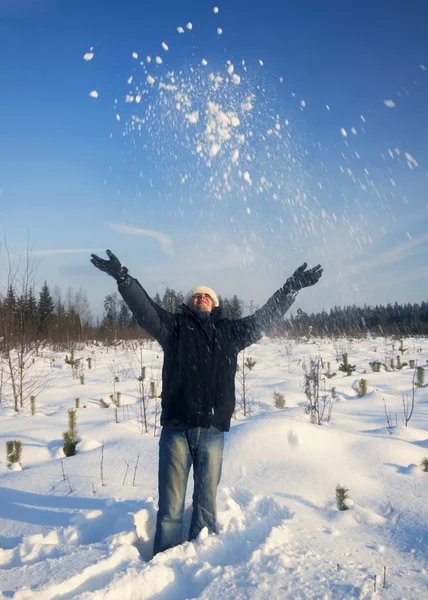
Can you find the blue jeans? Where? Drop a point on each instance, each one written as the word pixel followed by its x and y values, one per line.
pixel 179 449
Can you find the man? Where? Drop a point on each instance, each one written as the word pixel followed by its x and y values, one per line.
pixel 198 388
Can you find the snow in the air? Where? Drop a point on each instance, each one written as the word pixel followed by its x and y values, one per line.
pixel 148 59
pixel 82 527
pixel 247 177
pixel 193 117
pixel 158 60
pixel 219 30
pixel 189 25
pixel 343 132
pixel 412 162
pixel 88 56
pixel 204 62
pixel 180 30
pixel 215 9
pixel 389 103
pixel 93 94
pixel 165 46
pixel 135 55
pixel 150 80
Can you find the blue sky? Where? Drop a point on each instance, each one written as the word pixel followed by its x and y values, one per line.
pixel 327 171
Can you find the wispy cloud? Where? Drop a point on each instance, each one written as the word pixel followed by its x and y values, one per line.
pixel 66 251
pixel 400 278
pixel 164 240
pixel 402 251
pixel 234 257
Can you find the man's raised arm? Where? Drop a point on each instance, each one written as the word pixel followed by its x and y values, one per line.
pixel 153 318
pixel 250 329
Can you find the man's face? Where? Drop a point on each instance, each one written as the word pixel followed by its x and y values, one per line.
pixel 201 302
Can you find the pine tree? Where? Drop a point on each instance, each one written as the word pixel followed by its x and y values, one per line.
pixel 111 311
pixel 169 300
pixel 45 311
pixel 226 308
pixel 124 316
pixel 236 308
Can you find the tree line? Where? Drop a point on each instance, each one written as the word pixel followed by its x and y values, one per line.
pixel 392 319
pixel 50 316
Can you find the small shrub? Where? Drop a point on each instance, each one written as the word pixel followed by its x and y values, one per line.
pixel 89 361
pixel 70 436
pixel 33 405
pixel 82 379
pixel 401 348
pixel 77 402
pixel 392 364
pixel 424 465
pixel 362 387
pixel 376 365
pixel 342 498
pixel 250 363
pixel 420 376
pixel 13 451
pixel 333 393
pixel 328 373
pixel 103 403
pixel 142 376
pixel 411 363
pixel 399 365
pixel 279 400
pixel 345 367
pixel 70 359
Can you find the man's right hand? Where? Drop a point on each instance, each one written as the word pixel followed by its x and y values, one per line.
pixel 112 266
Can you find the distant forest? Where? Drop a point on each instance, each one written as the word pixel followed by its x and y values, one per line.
pixel 52 317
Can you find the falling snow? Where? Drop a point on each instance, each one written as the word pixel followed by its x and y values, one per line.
pixel 389 103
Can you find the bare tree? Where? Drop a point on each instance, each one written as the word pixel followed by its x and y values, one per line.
pixel 246 398
pixel 19 345
pixel 409 403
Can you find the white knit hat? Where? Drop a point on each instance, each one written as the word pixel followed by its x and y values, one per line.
pixel 202 289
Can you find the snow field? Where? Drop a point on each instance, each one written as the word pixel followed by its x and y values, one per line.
pixel 281 534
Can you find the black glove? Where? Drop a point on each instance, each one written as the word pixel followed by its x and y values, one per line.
pixel 303 278
pixel 111 266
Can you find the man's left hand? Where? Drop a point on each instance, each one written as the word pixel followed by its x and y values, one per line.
pixel 303 277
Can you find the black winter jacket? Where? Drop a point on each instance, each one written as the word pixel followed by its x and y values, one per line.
pixel 198 375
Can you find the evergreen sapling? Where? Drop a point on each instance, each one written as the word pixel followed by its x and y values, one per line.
pixel 70 436
pixel 343 500
pixel 279 400
pixel 13 452
pixel 345 367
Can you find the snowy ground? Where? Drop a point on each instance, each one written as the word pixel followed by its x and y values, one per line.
pixel 281 533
